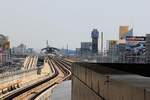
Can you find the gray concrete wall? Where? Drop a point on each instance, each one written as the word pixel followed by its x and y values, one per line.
pixel 88 84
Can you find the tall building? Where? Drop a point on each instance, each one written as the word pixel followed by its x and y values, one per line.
pixel 95 36
pixel 122 31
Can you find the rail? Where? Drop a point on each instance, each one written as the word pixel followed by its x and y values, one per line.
pixel 66 70
pixel 35 90
pixel 21 91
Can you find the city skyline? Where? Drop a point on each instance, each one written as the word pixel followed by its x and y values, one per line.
pixel 32 22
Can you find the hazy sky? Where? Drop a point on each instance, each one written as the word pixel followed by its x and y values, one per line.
pixel 70 21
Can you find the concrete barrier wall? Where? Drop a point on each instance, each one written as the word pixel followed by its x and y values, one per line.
pixel 82 92
pixel 88 84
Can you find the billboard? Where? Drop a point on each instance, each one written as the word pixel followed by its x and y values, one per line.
pixel 135 44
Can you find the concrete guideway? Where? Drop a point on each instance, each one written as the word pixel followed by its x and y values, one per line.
pixel 21 78
pixel 28 85
pixel 63 67
pixel 65 73
pixel 30 62
pixel 59 73
pixel 46 67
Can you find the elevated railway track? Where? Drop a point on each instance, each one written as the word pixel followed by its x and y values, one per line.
pixel 11 81
pixel 60 72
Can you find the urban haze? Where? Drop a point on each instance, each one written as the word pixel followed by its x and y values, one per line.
pixel 69 20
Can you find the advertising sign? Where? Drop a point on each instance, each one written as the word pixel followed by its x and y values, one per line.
pixel 135 44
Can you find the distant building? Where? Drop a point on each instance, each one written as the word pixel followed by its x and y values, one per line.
pixel 29 50
pixel 135 49
pixel 147 46
pixel 95 36
pixel 111 44
pixel 86 48
pixel 129 33
pixel 136 44
pixel 122 31
pixel 112 50
pixel 5 53
pixel 19 50
pixel 78 51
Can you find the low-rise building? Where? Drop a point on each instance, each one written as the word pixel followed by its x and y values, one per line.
pixel 86 48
